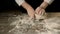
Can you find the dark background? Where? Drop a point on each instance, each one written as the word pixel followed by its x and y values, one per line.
pixel 12 5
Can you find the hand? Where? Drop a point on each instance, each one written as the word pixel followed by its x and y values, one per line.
pixel 31 13
pixel 29 9
pixel 39 11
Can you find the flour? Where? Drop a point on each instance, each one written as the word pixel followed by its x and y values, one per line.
pixel 24 25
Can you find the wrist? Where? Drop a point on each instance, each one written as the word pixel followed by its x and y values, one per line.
pixel 48 1
pixel 44 5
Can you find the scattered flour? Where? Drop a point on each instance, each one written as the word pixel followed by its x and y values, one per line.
pixel 24 25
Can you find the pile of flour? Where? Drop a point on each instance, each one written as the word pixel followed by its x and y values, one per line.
pixel 24 25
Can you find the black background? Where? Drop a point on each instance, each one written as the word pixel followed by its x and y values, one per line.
pixel 12 5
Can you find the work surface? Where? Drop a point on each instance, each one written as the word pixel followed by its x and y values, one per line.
pixel 10 23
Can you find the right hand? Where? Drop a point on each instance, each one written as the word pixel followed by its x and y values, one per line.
pixel 31 13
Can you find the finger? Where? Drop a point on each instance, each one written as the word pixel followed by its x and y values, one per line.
pixel 37 10
pixel 41 12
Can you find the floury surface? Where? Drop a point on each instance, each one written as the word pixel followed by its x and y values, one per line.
pixel 10 23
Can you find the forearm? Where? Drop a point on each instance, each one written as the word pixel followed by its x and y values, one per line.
pixel 27 6
pixel 46 3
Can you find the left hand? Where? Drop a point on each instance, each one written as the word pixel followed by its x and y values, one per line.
pixel 39 11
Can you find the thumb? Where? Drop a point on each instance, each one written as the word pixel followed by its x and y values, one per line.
pixel 42 11
pixel 37 10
